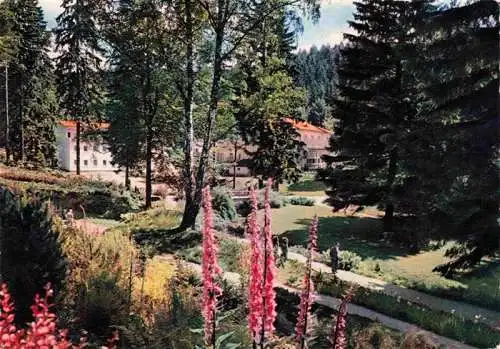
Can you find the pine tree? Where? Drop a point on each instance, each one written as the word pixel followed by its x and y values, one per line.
pixel 460 103
pixel 142 120
pixel 315 70
pixel 31 254
pixel 78 67
pixel 31 98
pixel 124 135
pixel 375 108
pixel 267 96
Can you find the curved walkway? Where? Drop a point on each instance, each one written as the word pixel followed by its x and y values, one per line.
pixel 333 303
pixel 465 310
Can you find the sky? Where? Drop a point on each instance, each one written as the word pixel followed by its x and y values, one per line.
pixel 331 25
pixel 328 30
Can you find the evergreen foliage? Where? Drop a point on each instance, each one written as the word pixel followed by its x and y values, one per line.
pixel 375 109
pixel 142 89
pixel 78 68
pixel 32 103
pixel 460 104
pixel 266 95
pixel 315 70
pixel 31 254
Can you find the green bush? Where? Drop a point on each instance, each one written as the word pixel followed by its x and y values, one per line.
pixel 95 198
pixel 307 185
pixel 244 208
pixel 223 203
pixel 102 303
pixel 31 251
pixel 348 260
pixel 301 201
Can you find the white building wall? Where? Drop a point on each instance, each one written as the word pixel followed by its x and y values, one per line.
pixel 94 155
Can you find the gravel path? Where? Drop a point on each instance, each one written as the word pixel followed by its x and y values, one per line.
pixel 467 311
pixel 333 303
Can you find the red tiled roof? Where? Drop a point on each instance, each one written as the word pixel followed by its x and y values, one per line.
pixel 305 126
pixel 72 124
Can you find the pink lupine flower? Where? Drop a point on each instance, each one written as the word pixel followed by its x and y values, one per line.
pixel 210 270
pixel 255 285
pixel 338 338
pixel 268 294
pixel 302 330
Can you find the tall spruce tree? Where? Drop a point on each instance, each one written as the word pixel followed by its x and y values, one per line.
pixel 31 98
pixel 458 70
pixel 375 108
pixel 142 113
pixel 78 66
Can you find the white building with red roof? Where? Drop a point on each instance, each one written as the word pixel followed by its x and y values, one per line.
pixel 94 154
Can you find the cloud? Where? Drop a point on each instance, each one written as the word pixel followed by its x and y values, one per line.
pixel 331 25
pixel 51 6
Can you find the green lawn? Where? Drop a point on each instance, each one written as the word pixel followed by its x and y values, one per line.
pixel 382 261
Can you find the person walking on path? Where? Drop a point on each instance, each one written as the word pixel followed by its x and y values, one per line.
pixel 276 250
pixel 334 257
pixel 284 251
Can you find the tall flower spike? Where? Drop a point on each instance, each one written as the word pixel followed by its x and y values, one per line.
pixel 255 310
pixel 269 295
pixel 210 270
pixel 338 339
pixel 302 329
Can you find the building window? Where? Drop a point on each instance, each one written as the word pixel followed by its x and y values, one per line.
pixel 85 162
pixel 85 148
pixel 95 162
pixel 104 162
pixel 69 134
pixel 96 147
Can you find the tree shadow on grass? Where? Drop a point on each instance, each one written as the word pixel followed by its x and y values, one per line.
pixel 357 234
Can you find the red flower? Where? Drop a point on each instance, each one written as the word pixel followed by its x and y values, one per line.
pixel 338 339
pixel 256 269
pixel 210 271
pixel 269 295
pixel 307 296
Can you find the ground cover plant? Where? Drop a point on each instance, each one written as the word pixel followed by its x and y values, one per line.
pixel 445 324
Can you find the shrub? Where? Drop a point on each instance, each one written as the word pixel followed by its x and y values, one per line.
pixel 31 252
pixel 102 303
pixel 236 230
pixel 308 185
pixel 275 201
pixel 374 336
pixel 244 208
pixel 348 260
pixel 223 203
pixel 97 286
pixel 302 201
